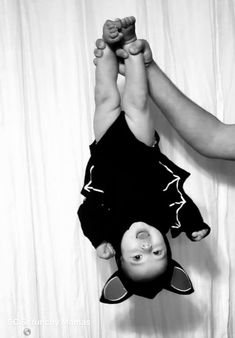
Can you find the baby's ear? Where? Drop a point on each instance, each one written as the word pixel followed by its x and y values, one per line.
pixel 105 251
pixel 114 290
pixel 180 281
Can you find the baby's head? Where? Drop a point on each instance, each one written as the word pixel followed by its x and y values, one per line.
pixel 144 253
pixel 145 267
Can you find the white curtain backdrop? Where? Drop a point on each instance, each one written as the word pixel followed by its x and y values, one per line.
pixel 50 277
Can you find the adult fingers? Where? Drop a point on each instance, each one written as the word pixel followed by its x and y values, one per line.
pixel 95 61
pixel 142 46
pixel 121 68
pixel 122 53
pixel 137 47
pixel 98 53
pixel 100 44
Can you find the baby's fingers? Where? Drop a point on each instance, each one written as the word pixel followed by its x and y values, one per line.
pixel 111 249
pixel 198 235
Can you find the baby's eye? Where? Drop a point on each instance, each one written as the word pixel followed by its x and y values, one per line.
pixel 157 252
pixel 136 257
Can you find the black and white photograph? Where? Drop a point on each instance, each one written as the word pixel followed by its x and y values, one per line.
pixel 117 168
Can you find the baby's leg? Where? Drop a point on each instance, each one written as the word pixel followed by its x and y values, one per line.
pixel 135 97
pixel 107 97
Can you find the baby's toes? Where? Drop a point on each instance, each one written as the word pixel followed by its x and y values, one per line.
pixel 128 21
pixel 124 22
pixel 132 20
pixel 118 24
pixel 116 38
pixel 108 24
pixel 112 29
pixel 113 34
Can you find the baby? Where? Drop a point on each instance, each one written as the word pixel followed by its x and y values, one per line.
pixel 133 193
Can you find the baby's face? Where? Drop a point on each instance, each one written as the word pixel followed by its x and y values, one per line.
pixel 144 252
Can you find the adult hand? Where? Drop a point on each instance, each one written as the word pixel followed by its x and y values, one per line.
pixel 98 51
pixel 138 46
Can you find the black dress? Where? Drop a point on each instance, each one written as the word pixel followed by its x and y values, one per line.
pixel 127 181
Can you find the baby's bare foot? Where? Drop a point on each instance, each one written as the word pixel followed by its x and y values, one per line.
pixel 199 235
pixel 128 29
pixel 112 31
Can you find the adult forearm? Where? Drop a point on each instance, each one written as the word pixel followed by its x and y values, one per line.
pixel 197 126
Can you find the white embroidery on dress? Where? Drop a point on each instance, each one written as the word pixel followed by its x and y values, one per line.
pixel 88 186
pixel 181 203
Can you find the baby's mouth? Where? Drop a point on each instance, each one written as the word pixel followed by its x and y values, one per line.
pixel 142 235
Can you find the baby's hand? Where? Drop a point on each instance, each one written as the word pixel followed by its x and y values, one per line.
pixel 105 250
pixel 199 235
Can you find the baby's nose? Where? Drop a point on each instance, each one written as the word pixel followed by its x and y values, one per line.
pixel 145 240
pixel 146 245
